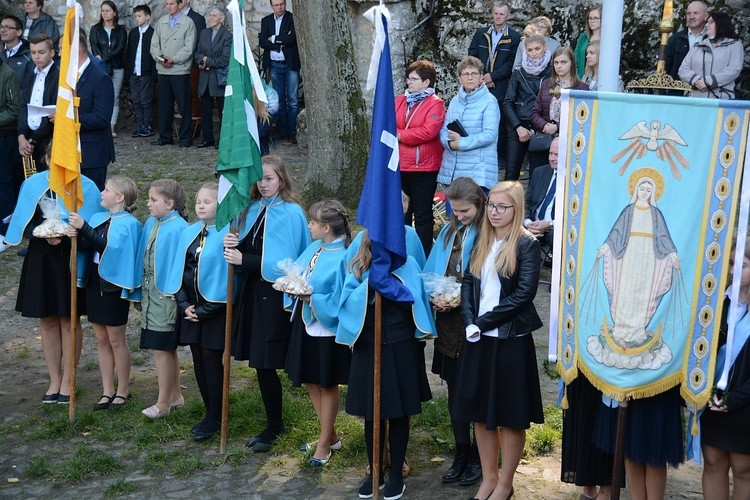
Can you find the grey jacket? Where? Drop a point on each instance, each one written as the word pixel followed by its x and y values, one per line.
pixel 718 66
pixel 177 43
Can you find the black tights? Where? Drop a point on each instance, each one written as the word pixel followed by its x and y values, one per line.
pixel 461 430
pixel 209 373
pixel 398 439
pixel 270 389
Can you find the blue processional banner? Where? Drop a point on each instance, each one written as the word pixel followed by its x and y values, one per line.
pixel 650 194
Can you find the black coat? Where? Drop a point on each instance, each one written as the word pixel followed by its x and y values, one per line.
pixel 498 61
pixel 286 40
pixel 217 54
pixel 200 25
pixel 537 190
pixel 521 94
pixel 678 46
pixel 97 98
pixel 148 65
pixel 109 48
pixel 515 313
pixel 44 131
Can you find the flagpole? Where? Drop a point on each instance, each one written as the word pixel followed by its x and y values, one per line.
pixel 227 350
pixel 376 459
pixel 74 296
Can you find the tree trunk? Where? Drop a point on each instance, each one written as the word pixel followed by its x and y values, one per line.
pixel 338 131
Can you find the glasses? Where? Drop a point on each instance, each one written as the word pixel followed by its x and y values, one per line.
pixel 7 28
pixel 470 74
pixel 414 79
pixel 498 209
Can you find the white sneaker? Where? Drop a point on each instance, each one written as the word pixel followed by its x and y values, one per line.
pixel 4 246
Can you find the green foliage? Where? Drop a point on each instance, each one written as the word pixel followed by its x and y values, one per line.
pixel 120 488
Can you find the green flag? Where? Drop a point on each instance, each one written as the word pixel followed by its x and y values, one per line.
pixel 239 162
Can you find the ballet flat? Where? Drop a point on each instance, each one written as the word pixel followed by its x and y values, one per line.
pixel 178 403
pixel 153 412
pixel 308 447
pixel 320 462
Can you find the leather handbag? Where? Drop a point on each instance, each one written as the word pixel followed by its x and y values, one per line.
pixel 221 76
pixel 540 142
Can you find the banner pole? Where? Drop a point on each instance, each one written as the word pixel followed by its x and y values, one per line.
pixel 73 361
pixel 378 344
pixel 227 351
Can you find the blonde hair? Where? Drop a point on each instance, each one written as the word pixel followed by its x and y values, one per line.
pixel 286 191
pixel 505 263
pixel 127 188
pixel 261 110
pixel 589 70
pixel 363 258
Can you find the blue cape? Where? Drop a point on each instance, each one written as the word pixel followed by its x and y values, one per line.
pixel 32 191
pixel 437 262
pixel 414 246
pixel 168 232
pixel 212 266
pixel 324 301
pixel 117 261
pixel 285 234
pixel 355 296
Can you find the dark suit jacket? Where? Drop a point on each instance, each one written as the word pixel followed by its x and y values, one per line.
pixel 498 61
pixel 44 131
pixel 148 65
pixel 217 53
pixel 678 46
pixel 200 25
pixel 537 190
pixel 97 97
pixel 286 40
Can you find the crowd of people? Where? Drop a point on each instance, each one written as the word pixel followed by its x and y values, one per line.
pixel 505 109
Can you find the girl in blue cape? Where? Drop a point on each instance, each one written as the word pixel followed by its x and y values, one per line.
pixel 44 288
pixel 156 253
pixel 404 383
pixel 273 228
pixel 497 378
pixel 199 281
pixel 108 278
pixel 450 257
pixel 725 435
pixel 315 359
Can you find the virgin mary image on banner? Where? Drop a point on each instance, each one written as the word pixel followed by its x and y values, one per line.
pixel 639 266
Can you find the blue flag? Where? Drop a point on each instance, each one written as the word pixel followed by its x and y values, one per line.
pixel 380 209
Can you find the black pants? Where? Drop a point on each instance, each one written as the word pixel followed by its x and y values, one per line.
pixel 10 170
pixel 207 114
pixel 174 88
pixel 420 188
pixel 515 154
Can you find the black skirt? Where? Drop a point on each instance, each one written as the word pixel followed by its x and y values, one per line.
pixel 727 431
pixel 403 385
pixel 106 308
pixel 44 287
pixel 160 341
pixel 498 383
pixel 445 366
pixel 583 463
pixel 208 334
pixel 261 327
pixel 316 360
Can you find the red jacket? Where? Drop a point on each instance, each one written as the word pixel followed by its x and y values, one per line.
pixel 419 142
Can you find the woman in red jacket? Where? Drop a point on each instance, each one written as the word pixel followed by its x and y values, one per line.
pixel 419 118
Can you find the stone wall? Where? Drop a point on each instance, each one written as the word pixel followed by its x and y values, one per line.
pixel 444 37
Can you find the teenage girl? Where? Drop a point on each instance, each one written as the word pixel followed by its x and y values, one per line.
pixel 109 277
pixel 315 359
pixel 498 383
pixel 44 288
pixel 404 382
pixel 450 257
pixel 158 245
pixel 273 228
pixel 724 424
pixel 199 281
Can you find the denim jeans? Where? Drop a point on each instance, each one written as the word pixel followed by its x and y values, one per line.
pixel 286 83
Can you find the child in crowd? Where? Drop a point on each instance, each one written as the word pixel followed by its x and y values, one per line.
pixel 140 68
pixel 450 257
pixel 161 233
pixel 404 383
pixel 497 378
pixel 315 359
pixel 108 278
pixel 44 288
pixel 273 228
pixel 198 280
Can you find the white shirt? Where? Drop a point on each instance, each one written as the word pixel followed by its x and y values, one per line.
pixel 692 39
pixel 139 51
pixel 37 95
pixel 491 289
pixel 11 52
pixel 277 55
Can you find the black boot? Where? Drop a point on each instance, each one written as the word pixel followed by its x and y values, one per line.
pixel 459 464
pixel 473 472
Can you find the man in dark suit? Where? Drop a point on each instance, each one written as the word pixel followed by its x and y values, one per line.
pixel 496 47
pixel 200 25
pixel 97 98
pixel 39 89
pixel 540 198
pixel 279 41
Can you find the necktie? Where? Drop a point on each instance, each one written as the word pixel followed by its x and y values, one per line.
pixel 548 199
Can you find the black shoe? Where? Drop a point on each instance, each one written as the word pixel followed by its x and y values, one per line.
pixel 472 474
pixel 50 398
pixel 186 144
pixel 268 440
pixel 256 439
pixel 205 144
pixel 146 132
pixel 116 406
pixel 206 432
pixel 216 146
pixel 394 490
pixel 22 253
pixel 105 405
pixel 459 464
pixel 159 142
pixel 294 141
pixel 365 491
pixel 198 426
pixel 63 400
pixel 136 132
